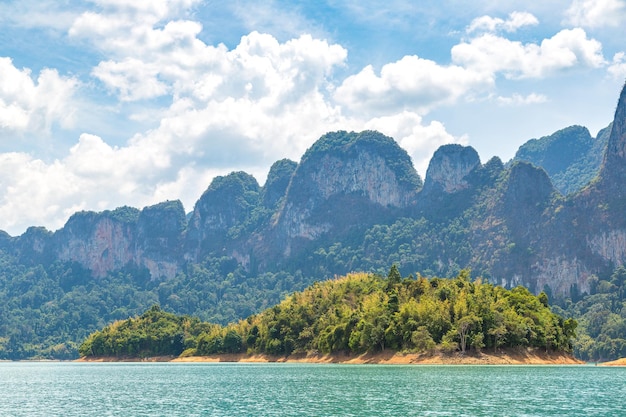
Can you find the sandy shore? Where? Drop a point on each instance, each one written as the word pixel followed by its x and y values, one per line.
pixel 619 362
pixel 510 357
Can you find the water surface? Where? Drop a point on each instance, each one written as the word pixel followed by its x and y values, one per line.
pixel 244 389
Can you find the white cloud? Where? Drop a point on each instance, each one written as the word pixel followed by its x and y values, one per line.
pixel 245 107
pixel 596 13
pixel 567 49
pixel 412 83
pixel 34 106
pixel 521 100
pixel 419 140
pixel 617 69
pixel 232 109
pixel 132 78
pixel 515 21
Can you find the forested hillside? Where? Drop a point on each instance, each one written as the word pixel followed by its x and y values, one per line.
pixel 355 314
pixel 353 203
pixel 571 157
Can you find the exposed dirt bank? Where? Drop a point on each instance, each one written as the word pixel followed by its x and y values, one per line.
pixel 619 362
pixel 508 357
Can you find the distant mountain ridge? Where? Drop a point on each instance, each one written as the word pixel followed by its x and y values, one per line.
pixel 571 157
pixel 353 203
pixel 345 184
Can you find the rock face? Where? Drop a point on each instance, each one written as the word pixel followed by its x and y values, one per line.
pixel 224 206
pixel 277 182
pixel 159 238
pixel 616 149
pixel 112 240
pixel 344 179
pixel 449 168
pixel 102 242
pixel 586 233
pixel 358 193
pixel 571 157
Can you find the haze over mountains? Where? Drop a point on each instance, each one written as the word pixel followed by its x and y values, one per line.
pixel 552 219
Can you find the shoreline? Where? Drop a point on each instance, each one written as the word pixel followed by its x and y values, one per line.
pixel 618 362
pixel 510 357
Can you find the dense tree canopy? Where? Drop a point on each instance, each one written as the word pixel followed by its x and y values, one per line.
pixel 356 314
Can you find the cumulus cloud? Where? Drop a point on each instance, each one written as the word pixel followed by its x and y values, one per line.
pixel 220 109
pixel 232 109
pixel 596 13
pixel 418 139
pixel 34 106
pixel 412 84
pixel 617 69
pixel 515 21
pixel 567 49
pixel 521 100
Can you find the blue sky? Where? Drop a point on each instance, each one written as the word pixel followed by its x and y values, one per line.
pixel 106 103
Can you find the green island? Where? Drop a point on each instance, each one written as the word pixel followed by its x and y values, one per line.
pixel 359 314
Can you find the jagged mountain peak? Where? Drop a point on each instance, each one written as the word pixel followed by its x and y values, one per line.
pixel 449 168
pixel 528 189
pixel 351 144
pixel 277 182
pixel 227 203
pixel 571 156
pixel 344 181
pixel 615 157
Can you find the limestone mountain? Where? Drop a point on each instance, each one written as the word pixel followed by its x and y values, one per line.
pixel 354 202
pixel 345 182
pixel 571 157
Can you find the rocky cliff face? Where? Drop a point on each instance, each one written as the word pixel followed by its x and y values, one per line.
pixel 616 149
pixel 345 179
pixel 159 240
pixel 101 242
pixel 222 209
pixel 449 168
pixel 277 182
pixel 112 240
pixel 507 222
pixel 586 234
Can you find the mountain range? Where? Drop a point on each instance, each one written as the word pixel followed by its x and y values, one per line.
pixel 552 219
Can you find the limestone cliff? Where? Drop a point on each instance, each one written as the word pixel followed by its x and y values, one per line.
pixel 358 192
pixel 158 243
pixel 220 215
pixel 586 235
pixel 345 180
pixel 125 237
pixel 101 242
pixel 449 167
pixel 277 182
pixel 615 157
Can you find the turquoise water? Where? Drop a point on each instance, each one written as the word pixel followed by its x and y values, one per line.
pixel 206 389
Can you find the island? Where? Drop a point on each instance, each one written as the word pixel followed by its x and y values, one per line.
pixel 359 318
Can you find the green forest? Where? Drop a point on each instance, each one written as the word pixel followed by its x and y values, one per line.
pixel 355 314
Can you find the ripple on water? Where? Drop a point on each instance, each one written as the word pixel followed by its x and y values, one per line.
pixel 265 390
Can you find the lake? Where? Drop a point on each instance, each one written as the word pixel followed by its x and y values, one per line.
pixel 247 389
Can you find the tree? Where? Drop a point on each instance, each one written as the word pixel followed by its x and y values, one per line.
pixel 422 340
pixel 232 342
pixel 463 327
pixel 394 277
pixel 543 298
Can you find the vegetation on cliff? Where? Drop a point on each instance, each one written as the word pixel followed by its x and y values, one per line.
pixel 353 203
pixel 571 157
pixel 601 335
pixel 356 314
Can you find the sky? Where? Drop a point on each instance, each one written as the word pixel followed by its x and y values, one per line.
pixel 105 103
